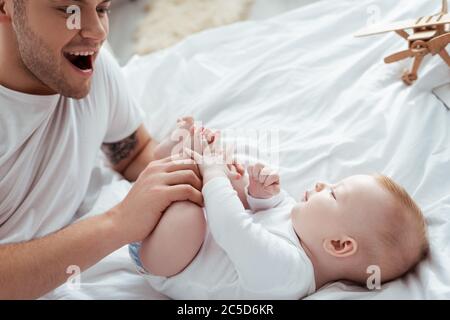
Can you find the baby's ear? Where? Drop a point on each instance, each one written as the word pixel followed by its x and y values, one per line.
pixel 340 247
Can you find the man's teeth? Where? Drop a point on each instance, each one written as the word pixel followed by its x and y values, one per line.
pixel 88 53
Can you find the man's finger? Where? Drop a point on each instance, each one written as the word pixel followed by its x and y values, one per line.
pixel 174 164
pixel 189 164
pixel 187 160
pixel 183 177
pixel 175 157
pixel 186 193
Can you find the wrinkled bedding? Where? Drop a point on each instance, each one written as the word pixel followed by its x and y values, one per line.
pixel 338 110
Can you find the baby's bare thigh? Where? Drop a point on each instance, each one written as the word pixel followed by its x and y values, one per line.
pixel 176 240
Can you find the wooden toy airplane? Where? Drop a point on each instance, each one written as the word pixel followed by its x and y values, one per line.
pixel 430 35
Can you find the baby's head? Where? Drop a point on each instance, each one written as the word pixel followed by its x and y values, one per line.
pixel 359 222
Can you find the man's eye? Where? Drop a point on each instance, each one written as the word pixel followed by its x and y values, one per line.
pixel 63 9
pixel 104 11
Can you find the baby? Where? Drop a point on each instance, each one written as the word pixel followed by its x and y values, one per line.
pixel 253 241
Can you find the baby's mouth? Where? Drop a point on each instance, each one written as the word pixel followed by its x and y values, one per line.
pixel 83 61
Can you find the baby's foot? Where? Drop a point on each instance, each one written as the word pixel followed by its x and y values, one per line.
pixel 180 138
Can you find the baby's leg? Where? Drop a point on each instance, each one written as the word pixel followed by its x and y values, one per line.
pixel 175 241
pixel 179 235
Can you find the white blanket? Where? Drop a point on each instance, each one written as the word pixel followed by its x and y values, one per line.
pixel 338 108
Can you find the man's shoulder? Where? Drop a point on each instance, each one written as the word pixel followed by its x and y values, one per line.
pixel 106 65
pixel 107 80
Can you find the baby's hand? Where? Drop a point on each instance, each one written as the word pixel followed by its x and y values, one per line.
pixel 264 182
pixel 180 138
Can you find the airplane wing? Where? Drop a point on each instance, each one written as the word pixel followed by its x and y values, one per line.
pixel 404 25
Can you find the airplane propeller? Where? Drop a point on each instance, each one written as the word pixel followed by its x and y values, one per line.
pixel 439 43
pixel 421 48
pixel 399 56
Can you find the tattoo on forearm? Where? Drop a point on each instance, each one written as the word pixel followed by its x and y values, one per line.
pixel 121 150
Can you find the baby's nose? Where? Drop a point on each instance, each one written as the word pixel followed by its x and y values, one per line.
pixel 320 186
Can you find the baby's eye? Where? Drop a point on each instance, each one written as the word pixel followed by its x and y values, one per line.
pixel 333 194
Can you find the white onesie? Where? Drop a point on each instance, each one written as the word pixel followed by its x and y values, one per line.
pixel 244 255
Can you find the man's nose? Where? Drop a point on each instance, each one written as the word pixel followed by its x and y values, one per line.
pixel 92 27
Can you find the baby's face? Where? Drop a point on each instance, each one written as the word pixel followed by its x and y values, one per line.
pixel 331 210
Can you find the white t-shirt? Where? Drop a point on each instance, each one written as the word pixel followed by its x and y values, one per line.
pixel 245 255
pixel 49 146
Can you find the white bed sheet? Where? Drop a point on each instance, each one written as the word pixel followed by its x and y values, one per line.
pixel 338 108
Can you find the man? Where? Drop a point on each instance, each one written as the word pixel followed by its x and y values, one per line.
pixel 61 100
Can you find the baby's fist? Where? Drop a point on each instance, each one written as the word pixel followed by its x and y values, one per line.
pixel 264 182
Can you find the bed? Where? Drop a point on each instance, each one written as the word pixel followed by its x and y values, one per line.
pixel 337 108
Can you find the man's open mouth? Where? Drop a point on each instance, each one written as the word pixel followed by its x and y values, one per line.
pixel 84 61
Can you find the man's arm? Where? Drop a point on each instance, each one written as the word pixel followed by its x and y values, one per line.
pixel 31 269
pixel 130 156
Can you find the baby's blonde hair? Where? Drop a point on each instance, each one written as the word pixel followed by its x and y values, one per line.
pixel 404 243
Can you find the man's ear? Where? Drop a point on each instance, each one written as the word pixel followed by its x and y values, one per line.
pixel 5 16
pixel 340 247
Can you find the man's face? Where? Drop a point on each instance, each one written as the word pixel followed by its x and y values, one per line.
pixel 62 59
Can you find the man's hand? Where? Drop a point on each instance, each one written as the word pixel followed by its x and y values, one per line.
pixel 180 138
pixel 161 183
pixel 30 269
pixel 264 182
pixel 132 155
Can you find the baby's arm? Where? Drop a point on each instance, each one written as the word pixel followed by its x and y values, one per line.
pixel 264 261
